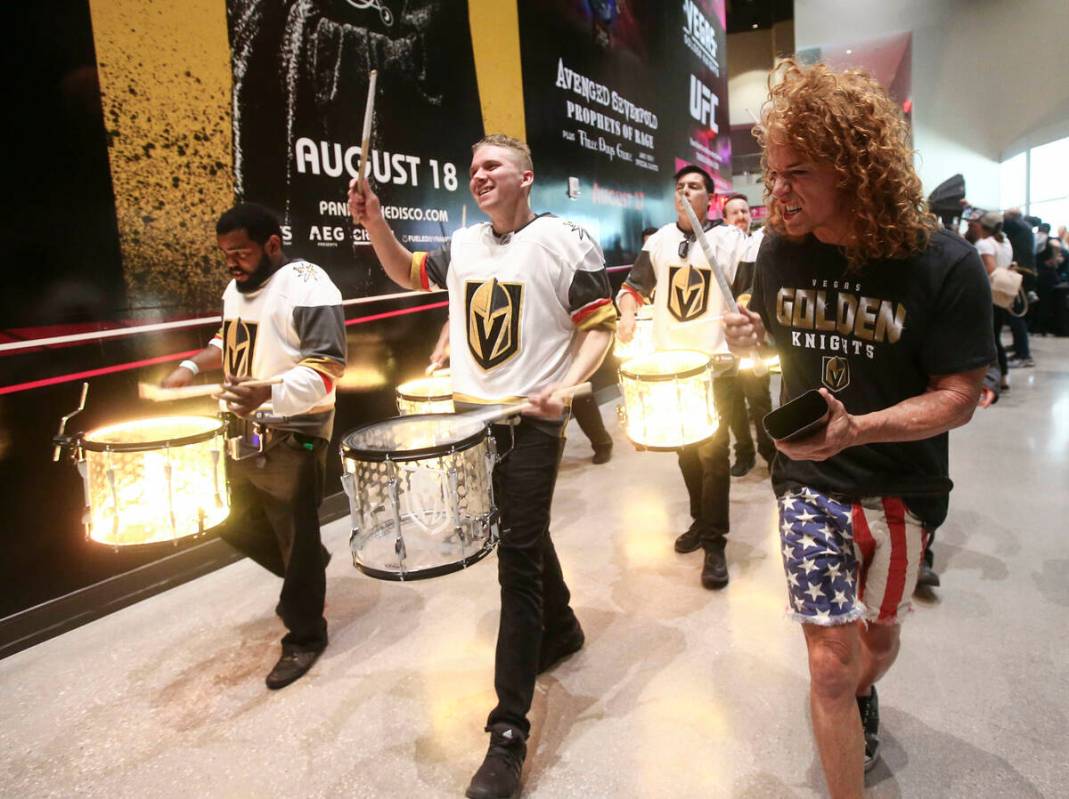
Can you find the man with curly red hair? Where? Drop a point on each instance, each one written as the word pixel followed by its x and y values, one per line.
pixel 867 302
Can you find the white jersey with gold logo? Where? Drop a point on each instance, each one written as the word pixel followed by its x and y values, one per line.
pixel 516 303
pixel 687 306
pixel 293 327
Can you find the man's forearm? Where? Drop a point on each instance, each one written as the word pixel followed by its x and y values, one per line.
pixel 208 359
pixel 937 410
pixel 590 352
pixel 395 258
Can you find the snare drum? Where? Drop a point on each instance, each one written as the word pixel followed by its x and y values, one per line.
pixel 642 342
pixel 425 395
pixel 152 480
pixel 668 399
pixel 420 495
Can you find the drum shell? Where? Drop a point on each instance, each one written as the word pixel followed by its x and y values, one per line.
pixel 422 513
pixel 667 411
pixel 155 489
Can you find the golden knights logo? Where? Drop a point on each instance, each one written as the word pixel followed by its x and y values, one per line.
pixel 835 372
pixel 688 292
pixel 493 311
pixel 239 344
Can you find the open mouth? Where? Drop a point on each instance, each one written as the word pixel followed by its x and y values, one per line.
pixel 791 211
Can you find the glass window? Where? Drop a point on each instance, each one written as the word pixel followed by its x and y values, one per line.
pixel 1054 211
pixel 1013 182
pixel 1050 171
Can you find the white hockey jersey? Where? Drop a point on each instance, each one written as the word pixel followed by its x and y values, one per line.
pixel 516 303
pixel 293 327
pixel 687 307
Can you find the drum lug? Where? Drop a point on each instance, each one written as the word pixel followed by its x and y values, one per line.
pixel 168 472
pixel 348 484
pixel 454 501
pixel 109 471
pixel 395 502
pixel 87 516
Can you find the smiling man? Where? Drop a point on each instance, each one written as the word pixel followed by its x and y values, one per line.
pixel 530 312
pixel 889 319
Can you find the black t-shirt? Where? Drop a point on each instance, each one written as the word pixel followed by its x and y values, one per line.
pixel 874 337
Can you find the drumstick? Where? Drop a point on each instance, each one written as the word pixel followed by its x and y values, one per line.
pixel 759 368
pixel 435 369
pixel 365 139
pixel 154 393
pixel 496 414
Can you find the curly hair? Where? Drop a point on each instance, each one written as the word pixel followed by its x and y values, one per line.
pixel 846 120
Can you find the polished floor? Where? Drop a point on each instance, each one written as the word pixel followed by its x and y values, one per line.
pixel 680 692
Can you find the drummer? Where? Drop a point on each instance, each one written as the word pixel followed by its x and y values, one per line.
pixel 530 311
pixel 687 313
pixel 282 318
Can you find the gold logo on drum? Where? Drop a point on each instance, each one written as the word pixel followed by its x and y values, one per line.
pixel 493 321
pixel 239 343
pixel 688 292
pixel 835 372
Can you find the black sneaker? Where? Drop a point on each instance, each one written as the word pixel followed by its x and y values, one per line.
pixel 293 665
pixel 714 569
pixel 869 707
pixel 742 466
pixel 558 646
pixel 499 775
pixel 927 577
pixel 690 541
pixel 602 454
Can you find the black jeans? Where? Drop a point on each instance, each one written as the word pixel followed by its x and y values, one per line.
pixel 755 391
pixel 274 520
pixel 534 598
pixel 1000 319
pixel 587 413
pixel 706 471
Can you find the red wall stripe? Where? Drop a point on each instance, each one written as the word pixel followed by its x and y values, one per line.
pixel 178 356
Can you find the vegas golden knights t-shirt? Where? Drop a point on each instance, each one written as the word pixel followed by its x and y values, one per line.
pixel 516 303
pixel 874 337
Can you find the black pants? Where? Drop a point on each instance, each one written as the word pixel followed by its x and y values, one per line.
pixel 588 415
pixel 1000 319
pixel 1020 336
pixel 755 391
pixel 706 471
pixel 275 521
pixel 534 598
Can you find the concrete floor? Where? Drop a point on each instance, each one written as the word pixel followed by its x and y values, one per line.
pixel 679 692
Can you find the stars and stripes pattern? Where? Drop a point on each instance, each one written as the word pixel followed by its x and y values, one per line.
pixel 848 560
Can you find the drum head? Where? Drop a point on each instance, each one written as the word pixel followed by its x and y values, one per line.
pixel 427 389
pixel 410 438
pixel 665 365
pixel 135 435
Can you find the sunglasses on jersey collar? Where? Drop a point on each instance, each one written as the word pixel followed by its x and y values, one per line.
pixel 684 248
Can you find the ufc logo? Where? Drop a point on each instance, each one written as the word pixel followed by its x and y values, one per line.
pixel 703 104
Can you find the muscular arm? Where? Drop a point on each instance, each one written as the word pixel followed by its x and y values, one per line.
pixel 366 210
pixel 949 402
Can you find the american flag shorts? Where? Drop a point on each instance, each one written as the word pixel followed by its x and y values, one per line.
pixel 847 560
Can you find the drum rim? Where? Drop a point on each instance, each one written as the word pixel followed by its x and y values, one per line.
pixel 378 456
pixel 148 446
pixel 423 397
pixel 692 372
pixel 431 571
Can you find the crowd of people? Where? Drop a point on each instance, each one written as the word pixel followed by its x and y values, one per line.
pixel 870 306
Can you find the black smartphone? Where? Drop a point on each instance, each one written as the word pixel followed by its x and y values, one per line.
pixel 797 418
